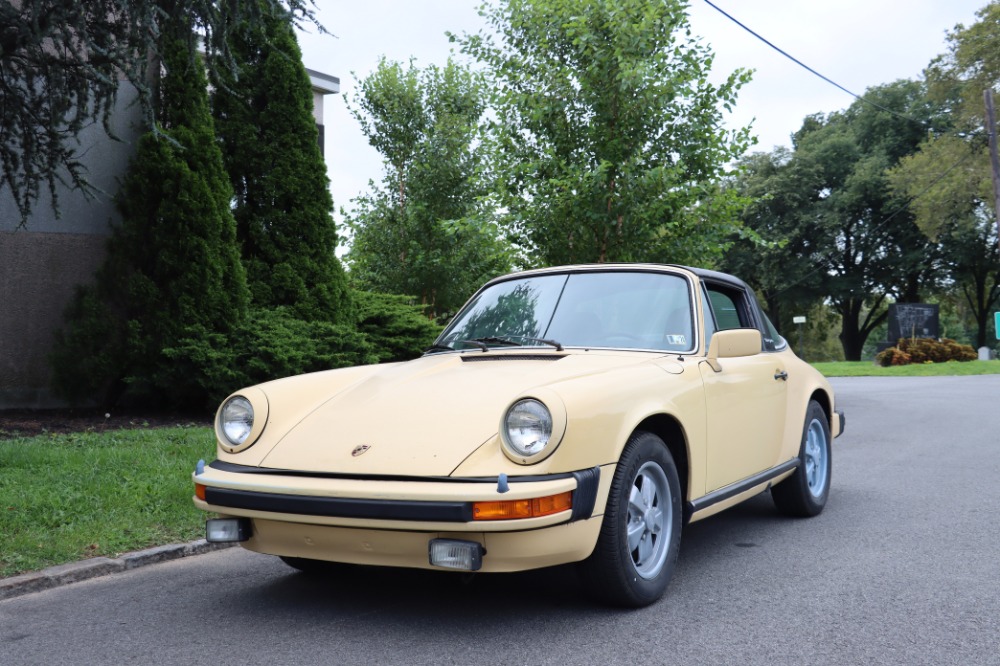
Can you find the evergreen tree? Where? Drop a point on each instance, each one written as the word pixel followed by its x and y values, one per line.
pixel 172 290
pixel 282 199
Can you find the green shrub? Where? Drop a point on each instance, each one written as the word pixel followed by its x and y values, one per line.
pixel 274 343
pixel 88 356
pixel 396 328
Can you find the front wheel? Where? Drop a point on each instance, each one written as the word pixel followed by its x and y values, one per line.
pixel 641 533
pixel 805 492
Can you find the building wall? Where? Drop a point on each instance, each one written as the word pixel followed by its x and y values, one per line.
pixel 43 262
pixel 39 272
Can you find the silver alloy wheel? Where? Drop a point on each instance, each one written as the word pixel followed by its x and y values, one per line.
pixel 817 458
pixel 650 520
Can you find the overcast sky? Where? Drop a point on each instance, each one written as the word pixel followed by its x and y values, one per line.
pixel 857 43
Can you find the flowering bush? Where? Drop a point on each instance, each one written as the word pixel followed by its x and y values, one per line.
pixel 893 356
pixel 925 350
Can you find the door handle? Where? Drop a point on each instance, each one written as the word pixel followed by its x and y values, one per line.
pixel 781 374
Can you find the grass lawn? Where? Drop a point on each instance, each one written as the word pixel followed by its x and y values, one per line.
pixel 68 497
pixel 869 369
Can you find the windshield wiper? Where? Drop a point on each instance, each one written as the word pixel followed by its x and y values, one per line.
pixel 496 341
pixel 505 340
pixel 546 341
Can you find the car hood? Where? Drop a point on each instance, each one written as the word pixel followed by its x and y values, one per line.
pixel 424 417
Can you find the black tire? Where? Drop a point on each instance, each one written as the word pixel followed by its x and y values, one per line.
pixel 312 567
pixel 805 492
pixel 630 575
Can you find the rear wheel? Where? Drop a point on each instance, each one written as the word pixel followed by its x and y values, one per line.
pixel 641 533
pixel 805 492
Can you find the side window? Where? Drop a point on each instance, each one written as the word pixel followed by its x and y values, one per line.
pixel 773 340
pixel 729 306
pixel 706 314
pixel 727 315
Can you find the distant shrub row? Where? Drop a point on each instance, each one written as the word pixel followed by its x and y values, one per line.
pixel 925 350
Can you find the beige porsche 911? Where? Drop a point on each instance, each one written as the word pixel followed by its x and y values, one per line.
pixel 575 414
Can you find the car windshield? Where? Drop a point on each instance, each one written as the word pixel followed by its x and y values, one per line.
pixel 618 310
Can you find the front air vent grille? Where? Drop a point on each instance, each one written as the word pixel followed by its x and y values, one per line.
pixel 476 358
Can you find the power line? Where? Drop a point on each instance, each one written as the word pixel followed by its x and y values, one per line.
pixel 887 219
pixel 810 69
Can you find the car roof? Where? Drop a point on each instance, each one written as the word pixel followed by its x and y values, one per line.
pixel 702 273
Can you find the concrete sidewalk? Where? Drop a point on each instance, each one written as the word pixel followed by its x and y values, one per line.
pixel 64 574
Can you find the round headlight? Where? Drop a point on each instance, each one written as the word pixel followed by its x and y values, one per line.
pixel 236 419
pixel 528 427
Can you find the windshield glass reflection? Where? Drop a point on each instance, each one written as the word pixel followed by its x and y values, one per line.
pixel 601 309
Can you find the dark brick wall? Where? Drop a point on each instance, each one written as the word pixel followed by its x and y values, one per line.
pixel 39 273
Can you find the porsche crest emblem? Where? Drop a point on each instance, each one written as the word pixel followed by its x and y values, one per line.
pixel 358 450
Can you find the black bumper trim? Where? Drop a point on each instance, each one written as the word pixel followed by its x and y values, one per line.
pixel 340 507
pixel 585 495
pixel 728 492
pixel 584 499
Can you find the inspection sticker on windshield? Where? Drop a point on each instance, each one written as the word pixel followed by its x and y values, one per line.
pixel 676 339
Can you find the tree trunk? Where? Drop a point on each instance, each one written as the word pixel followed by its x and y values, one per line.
pixel 851 339
pixel 853 344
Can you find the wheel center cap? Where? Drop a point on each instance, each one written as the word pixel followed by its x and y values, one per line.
pixel 648 518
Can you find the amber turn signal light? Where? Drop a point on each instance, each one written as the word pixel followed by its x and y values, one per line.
pixel 199 491
pixel 526 508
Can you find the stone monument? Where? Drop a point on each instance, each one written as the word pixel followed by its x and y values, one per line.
pixel 911 320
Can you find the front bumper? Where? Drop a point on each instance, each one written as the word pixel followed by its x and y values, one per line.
pixel 390 521
pixel 503 551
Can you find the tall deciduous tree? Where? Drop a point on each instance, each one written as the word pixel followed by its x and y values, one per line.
pixel 950 189
pixel 958 206
pixel 970 66
pixel 775 260
pixel 422 232
pixel 61 65
pixel 867 249
pixel 607 135
pixel 845 235
pixel 172 290
pixel 283 209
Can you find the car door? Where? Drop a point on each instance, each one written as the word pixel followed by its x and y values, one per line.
pixel 745 401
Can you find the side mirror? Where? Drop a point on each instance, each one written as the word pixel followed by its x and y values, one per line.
pixel 733 343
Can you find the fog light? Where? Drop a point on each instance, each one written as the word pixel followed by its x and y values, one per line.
pixel 227 530
pixel 455 554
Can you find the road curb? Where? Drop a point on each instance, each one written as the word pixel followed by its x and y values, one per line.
pixel 64 574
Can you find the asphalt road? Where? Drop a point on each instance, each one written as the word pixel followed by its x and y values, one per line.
pixel 903 567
